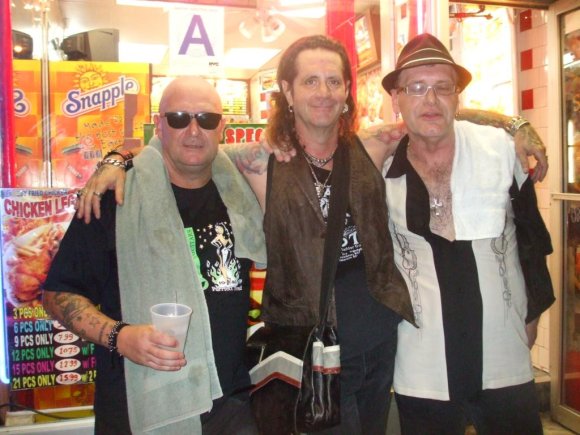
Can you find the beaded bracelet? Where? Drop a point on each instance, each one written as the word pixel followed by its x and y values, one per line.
pixel 112 340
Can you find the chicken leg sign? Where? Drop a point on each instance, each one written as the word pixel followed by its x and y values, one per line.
pixel 196 40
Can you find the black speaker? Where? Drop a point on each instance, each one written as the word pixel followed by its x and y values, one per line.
pixel 100 45
pixel 21 45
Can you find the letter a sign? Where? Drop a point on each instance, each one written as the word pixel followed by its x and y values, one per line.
pixel 196 41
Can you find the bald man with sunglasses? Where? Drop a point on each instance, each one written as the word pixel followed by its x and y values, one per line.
pixel 189 232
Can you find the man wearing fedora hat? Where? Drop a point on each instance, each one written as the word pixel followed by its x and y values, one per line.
pixel 454 192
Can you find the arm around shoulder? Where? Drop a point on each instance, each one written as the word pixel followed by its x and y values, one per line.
pixel 251 159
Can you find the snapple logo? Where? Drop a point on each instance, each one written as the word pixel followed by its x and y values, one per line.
pixel 102 98
pixel 21 104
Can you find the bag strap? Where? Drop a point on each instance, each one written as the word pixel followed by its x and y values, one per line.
pixel 339 198
pixel 269 174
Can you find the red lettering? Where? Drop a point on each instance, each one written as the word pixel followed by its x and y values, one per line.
pixel 239 135
pixel 229 135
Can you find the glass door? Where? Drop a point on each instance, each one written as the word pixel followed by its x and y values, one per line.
pixel 565 34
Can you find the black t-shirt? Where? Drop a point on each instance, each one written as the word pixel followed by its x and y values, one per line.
pixel 363 322
pixel 93 273
pixel 225 279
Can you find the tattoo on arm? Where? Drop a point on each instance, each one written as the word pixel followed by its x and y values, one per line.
pixel 79 315
pixel 249 158
pixel 483 117
pixel 102 336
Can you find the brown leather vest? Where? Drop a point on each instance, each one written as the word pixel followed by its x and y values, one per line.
pixel 295 232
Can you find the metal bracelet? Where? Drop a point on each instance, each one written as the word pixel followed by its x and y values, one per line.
pixel 127 155
pixel 515 124
pixel 113 162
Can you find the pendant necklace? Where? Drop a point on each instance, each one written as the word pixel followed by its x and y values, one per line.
pixel 436 206
pixel 319 163
pixel 320 187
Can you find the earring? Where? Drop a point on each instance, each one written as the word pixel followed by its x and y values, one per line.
pixel 345 108
pixel 397 116
pixel 290 108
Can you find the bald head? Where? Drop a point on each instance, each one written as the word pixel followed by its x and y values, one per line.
pixel 191 89
pixel 189 142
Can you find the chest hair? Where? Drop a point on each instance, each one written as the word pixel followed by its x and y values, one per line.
pixel 437 179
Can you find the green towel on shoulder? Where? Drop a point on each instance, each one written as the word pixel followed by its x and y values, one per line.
pixel 155 265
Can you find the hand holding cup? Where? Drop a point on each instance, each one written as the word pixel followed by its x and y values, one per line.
pixel 172 319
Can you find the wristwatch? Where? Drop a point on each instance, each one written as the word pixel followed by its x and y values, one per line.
pixel 127 155
pixel 515 124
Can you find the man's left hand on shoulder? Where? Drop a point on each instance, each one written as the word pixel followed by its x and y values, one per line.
pixel 528 143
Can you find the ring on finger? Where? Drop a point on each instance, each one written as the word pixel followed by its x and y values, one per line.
pixel 98 194
pixel 80 193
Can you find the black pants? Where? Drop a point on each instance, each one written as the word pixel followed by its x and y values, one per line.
pixel 230 415
pixel 365 395
pixel 503 411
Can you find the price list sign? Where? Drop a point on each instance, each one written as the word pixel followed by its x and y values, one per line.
pixel 41 352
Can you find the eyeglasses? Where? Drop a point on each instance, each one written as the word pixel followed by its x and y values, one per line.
pixel 420 89
pixel 206 120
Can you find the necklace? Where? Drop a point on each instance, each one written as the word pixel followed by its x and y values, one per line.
pixel 313 160
pixel 320 187
pixel 435 206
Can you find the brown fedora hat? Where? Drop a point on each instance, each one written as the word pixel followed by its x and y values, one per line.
pixel 425 49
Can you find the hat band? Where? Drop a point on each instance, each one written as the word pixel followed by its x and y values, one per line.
pixel 423 59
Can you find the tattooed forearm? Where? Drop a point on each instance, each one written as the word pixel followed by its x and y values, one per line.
pixel 374 132
pixel 71 308
pixel 103 334
pixel 249 158
pixel 528 135
pixel 483 117
pixel 79 315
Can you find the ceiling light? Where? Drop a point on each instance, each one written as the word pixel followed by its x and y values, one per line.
pixel 248 27
pixel 272 28
pixel 269 26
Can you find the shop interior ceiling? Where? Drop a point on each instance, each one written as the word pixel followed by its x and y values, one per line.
pixel 272 24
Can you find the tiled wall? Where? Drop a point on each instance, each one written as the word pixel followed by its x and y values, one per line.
pixel 531 41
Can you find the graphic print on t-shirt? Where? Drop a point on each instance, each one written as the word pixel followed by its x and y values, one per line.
pixel 351 248
pixel 190 235
pixel 213 250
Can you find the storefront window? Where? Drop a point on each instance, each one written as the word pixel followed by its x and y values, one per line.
pixel 570 43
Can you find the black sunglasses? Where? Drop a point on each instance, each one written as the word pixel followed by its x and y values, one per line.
pixel 206 120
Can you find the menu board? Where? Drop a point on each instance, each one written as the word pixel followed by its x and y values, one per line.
pixel 95 107
pixel 41 352
pixel 234 95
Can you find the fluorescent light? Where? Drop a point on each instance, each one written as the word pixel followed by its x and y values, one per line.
pixel 146 53
pixel 249 58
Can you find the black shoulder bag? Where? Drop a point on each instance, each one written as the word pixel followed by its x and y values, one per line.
pixel 315 389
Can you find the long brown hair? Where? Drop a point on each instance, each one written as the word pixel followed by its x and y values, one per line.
pixel 281 128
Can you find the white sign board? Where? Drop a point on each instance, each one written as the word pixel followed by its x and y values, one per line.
pixel 196 41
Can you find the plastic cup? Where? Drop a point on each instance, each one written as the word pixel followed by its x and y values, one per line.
pixel 172 319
